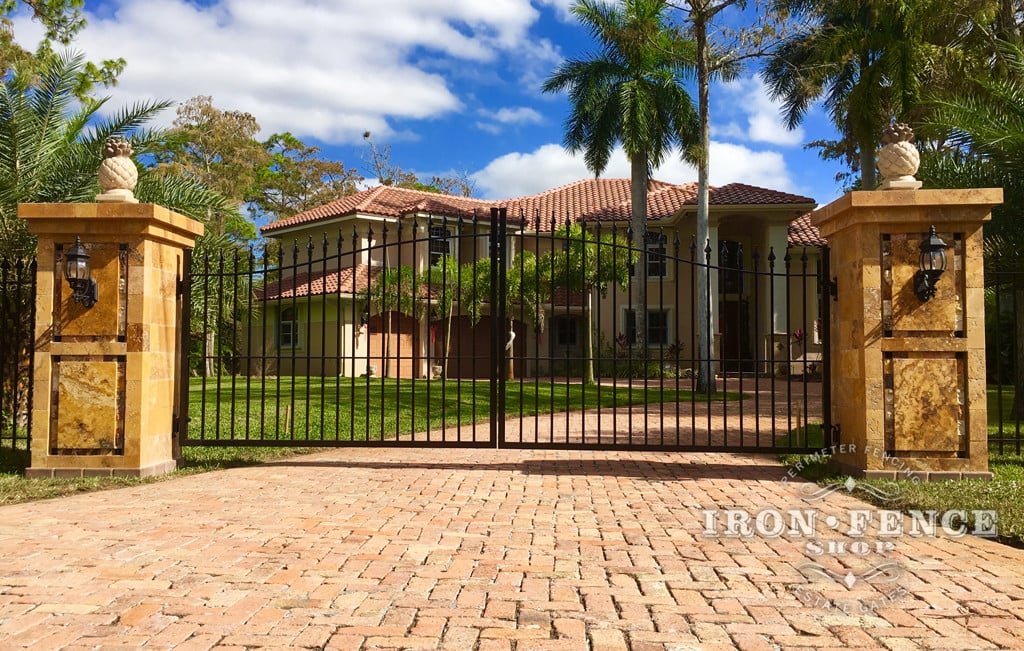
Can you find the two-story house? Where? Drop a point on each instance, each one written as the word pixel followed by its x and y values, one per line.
pixel 320 322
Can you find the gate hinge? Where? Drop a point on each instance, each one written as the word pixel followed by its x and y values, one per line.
pixel 833 287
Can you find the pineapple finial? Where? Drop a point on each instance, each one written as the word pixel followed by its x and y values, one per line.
pixel 117 146
pixel 898 159
pixel 118 174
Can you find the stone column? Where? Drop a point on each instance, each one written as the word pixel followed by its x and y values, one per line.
pixel 908 377
pixel 105 375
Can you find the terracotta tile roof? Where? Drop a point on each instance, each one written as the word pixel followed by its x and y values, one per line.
pixel 318 283
pixel 803 233
pixel 740 194
pixel 561 297
pixel 386 201
pixel 590 199
pixel 585 199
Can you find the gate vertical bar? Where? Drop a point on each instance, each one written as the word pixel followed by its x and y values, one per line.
pixel 826 291
pixel 181 418
pixel 499 357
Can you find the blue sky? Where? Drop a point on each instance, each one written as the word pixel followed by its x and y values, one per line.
pixel 453 86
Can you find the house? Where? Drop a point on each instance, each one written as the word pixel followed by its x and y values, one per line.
pixel 320 322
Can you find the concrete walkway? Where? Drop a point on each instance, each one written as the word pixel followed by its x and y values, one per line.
pixel 502 550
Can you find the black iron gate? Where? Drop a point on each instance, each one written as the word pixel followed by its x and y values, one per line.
pixel 480 330
pixel 17 330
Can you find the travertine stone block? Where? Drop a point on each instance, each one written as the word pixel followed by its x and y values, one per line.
pixel 88 397
pixel 928 410
pixel 127 340
pixel 927 413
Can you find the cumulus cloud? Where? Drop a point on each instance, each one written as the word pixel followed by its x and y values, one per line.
pixel 763 120
pixel 322 69
pixel 495 120
pixel 518 173
pixel 561 7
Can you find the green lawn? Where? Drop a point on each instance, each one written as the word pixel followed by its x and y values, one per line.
pixel 1004 494
pixel 315 409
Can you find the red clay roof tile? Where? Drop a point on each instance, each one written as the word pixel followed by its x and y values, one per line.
pixel 318 283
pixel 587 199
pixel 803 233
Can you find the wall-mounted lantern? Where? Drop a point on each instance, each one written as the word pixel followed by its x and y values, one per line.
pixel 79 275
pixel 933 263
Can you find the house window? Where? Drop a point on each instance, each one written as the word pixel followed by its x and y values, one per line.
pixel 566 331
pixel 288 328
pixel 440 243
pixel 656 262
pixel 657 327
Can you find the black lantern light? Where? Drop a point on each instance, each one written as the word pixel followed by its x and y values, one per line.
pixel 79 275
pixel 933 263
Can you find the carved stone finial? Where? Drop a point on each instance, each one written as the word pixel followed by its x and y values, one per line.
pixel 118 174
pixel 898 159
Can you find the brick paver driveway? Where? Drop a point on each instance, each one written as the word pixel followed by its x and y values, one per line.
pixel 451 549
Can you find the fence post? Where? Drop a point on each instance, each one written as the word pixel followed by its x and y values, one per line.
pixel 908 373
pixel 105 374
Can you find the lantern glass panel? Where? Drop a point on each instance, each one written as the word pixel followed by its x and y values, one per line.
pixel 77 268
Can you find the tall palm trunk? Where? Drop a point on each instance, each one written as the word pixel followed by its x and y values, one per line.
pixel 868 178
pixel 705 352
pixel 638 188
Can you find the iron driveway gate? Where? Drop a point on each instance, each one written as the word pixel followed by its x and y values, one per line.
pixel 478 330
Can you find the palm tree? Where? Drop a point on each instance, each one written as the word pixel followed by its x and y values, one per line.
pixel 51 145
pixel 630 92
pixel 984 132
pixel 862 58
pixel 579 267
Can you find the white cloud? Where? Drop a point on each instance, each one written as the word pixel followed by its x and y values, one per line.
pixel 518 115
pixel 319 68
pixel 561 7
pixel 763 119
pixel 518 174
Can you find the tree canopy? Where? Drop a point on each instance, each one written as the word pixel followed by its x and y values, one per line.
pixel 631 92
pixel 51 145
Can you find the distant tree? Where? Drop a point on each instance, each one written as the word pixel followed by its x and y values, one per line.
pixel 63 21
pixel 869 62
pixel 578 267
pixel 984 138
pixel 296 178
pixel 630 92
pixel 394 289
pixel 217 149
pixel 51 145
pixel 392 174
pixel 711 60
pixel 458 288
